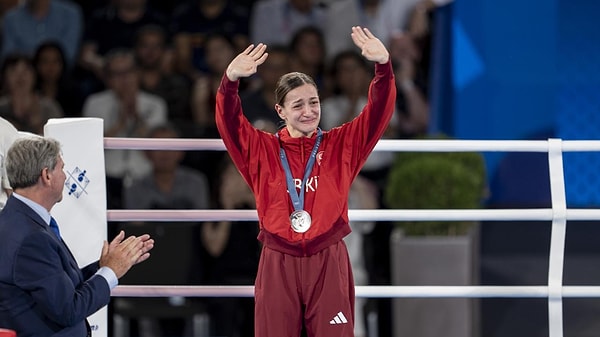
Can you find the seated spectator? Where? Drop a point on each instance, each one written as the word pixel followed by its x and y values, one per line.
pixel 54 80
pixel 411 100
pixel 231 255
pixel 168 186
pixel 20 104
pixel 33 22
pixel 351 77
pixel 127 112
pixel 258 101
pixel 150 52
pixel 276 21
pixel 194 20
pixel 307 51
pixel 219 50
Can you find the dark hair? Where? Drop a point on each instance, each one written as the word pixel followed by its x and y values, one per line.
pixel 49 45
pixel 307 30
pixel 289 82
pixel 150 29
pixel 347 54
pixel 115 54
pixel 10 61
pixel 218 35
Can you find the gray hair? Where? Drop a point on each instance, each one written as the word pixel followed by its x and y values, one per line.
pixel 27 157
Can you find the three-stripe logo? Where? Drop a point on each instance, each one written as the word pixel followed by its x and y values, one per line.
pixel 339 319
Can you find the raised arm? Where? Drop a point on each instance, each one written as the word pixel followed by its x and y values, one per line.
pixel 246 63
pixel 362 133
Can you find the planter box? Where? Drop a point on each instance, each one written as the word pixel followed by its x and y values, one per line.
pixel 445 261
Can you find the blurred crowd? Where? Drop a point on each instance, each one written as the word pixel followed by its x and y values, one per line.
pixel 151 68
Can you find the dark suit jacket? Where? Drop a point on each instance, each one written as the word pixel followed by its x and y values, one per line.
pixel 42 290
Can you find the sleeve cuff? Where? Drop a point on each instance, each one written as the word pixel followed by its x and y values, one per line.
pixel 109 275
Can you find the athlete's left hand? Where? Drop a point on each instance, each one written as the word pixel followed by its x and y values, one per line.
pixel 371 47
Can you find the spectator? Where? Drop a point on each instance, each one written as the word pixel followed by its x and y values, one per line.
pixel 258 101
pixel 385 18
pixel 219 50
pixel 111 27
pixel 350 75
pixel 276 21
pixel 411 101
pixel 36 21
pixel 363 195
pixel 168 186
pixel 415 43
pixel 150 52
pixel 20 104
pixel 127 112
pixel 307 50
pixel 232 255
pixel 194 20
pixel 350 80
pixel 54 80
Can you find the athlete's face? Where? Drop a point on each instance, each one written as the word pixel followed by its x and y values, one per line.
pixel 301 110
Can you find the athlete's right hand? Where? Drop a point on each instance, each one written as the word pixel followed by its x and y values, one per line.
pixel 246 63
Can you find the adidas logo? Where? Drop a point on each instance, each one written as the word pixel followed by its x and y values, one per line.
pixel 339 319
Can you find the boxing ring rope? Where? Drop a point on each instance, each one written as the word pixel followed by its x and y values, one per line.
pixel 555 291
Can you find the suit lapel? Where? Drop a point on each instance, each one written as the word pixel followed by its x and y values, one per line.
pixel 65 251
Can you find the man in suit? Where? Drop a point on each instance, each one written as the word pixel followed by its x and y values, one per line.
pixel 43 292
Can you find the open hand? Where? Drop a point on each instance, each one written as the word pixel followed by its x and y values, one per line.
pixel 246 63
pixel 371 47
pixel 121 254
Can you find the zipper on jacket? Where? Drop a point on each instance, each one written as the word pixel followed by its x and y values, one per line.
pixel 304 245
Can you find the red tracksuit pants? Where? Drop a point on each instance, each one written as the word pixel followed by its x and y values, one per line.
pixel 317 290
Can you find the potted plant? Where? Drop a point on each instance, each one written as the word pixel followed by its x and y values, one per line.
pixel 435 252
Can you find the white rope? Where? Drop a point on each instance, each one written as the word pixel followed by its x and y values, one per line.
pixel 388 145
pixel 539 214
pixel 558 214
pixel 369 291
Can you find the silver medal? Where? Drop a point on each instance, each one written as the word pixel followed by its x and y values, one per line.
pixel 300 221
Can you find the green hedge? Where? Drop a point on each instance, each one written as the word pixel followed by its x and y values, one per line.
pixel 436 180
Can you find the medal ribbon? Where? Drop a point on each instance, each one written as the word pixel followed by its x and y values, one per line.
pixel 298 200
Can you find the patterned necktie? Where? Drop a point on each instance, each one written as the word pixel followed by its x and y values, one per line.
pixel 54 227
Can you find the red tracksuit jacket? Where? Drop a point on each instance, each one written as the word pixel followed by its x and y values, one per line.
pixel 341 155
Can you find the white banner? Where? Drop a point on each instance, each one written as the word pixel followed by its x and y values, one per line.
pixel 82 212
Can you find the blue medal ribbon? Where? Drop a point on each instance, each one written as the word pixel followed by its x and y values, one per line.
pixel 298 200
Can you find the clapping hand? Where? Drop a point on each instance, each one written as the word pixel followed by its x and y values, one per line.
pixel 246 63
pixel 371 47
pixel 122 253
